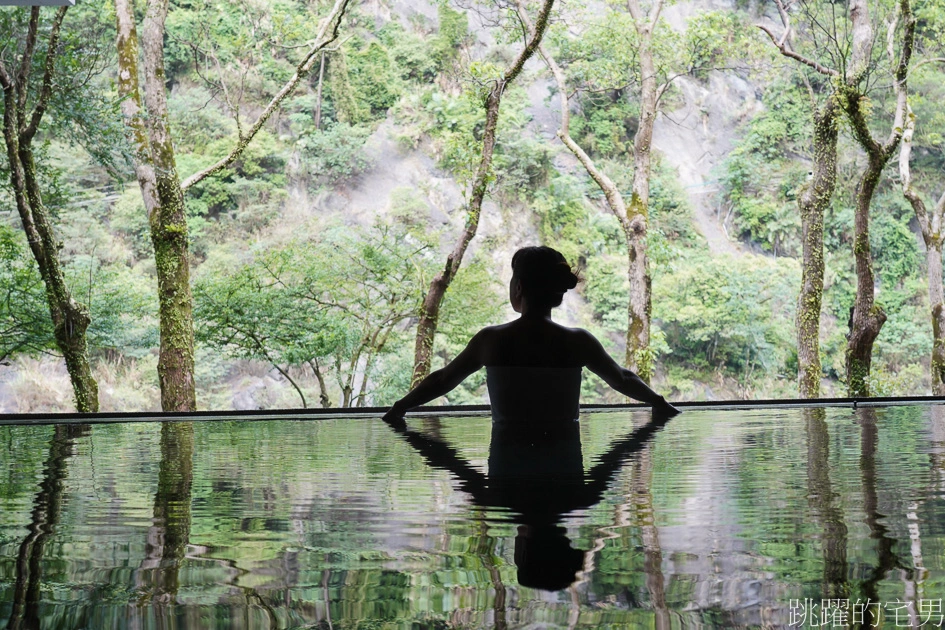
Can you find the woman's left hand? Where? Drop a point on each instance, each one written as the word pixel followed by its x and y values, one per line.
pixel 395 417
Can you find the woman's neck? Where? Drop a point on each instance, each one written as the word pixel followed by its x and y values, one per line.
pixel 533 314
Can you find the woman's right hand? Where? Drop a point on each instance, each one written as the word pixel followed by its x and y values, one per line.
pixel 665 409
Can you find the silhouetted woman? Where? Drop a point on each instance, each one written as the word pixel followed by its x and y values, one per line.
pixel 533 365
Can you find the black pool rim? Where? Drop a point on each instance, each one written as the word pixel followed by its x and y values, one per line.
pixel 453 410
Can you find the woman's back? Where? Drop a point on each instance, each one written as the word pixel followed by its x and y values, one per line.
pixel 535 342
pixel 534 395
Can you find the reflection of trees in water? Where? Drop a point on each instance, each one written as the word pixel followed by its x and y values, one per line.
pixel 158 576
pixel 642 501
pixel 47 507
pixel 887 560
pixel 823 507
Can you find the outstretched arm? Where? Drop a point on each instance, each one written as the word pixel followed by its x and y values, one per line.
pixel 442 381
pixel 623 380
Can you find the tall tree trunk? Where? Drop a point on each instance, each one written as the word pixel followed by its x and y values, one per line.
pixel 813 202
pixel 931 227
pixel 868 317
pixel 70 318
pixel 156 171
pixel 161 187
pixel 639 357
pixel 430 309
pixel 43 521
pixel 632 219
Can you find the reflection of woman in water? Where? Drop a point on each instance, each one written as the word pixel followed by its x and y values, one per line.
pixel 533 373
pixel 533 365
pixel 538 497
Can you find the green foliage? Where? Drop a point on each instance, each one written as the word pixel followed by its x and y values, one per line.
pixel 25 324
pixel 760 181
pixel 373 79
pixel 606 288
pixel 728 313
pixel 520 163
pixel 122 305
pixel 452 33
pixel 334 155
pixel 362 84
pixel 337 298
pixel 606 129
pixel 568 223
pixel 410 52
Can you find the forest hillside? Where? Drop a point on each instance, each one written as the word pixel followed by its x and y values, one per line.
pixel 311 253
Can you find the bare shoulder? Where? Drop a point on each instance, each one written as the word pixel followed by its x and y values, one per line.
pixel 486 337
pixel 581 336
pixel 585 345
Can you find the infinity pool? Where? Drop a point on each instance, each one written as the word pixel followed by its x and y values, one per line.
pixel 773 517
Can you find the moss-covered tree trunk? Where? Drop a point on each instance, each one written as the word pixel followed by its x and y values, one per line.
pixel 933 258
pixel 868 316
pixel 813 202
pixel 430 308
pixel 161 186
pixel 639 358
pixel 70 318
pixel 931 226
pixel 157 176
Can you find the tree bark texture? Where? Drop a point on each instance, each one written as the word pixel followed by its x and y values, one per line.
pixel 156 171
pixel 70 318
pixel 813 202
pixel 931 226
pixel 633 219
pixel 868 316
pixel 430 308
pixel 639 357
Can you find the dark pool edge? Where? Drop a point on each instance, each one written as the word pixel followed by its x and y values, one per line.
pixel 457 410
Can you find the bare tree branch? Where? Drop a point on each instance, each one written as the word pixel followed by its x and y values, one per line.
pixel 22 78
pixel 787 52
pixel 46 90
pixel 327 33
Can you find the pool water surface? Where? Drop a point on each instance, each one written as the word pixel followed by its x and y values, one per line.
pixel 790 517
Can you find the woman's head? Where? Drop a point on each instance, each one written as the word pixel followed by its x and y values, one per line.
pixel 543 274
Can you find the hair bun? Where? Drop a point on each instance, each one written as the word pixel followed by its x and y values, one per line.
pixel 563 279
